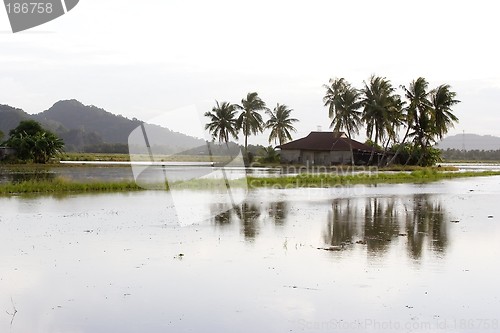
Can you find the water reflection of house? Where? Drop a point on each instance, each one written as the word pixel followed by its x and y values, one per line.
pixel 6 151
pixel 327 148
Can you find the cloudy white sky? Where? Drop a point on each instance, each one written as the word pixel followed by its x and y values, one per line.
pixel 143 58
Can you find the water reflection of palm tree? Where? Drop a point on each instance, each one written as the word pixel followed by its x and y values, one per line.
pixel 383 221
pixel 223 218
pixel 425 221
pixel 278 212
pixel 248 213
pixel 381 224
pixel 341 225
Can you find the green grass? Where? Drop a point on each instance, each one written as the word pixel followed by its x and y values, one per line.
pixel 59 185
pixel 327 180
pixel 347 168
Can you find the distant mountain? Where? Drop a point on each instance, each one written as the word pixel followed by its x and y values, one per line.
pixel 470 142
pixel 72 114
pixel 89 128
pixel 10 118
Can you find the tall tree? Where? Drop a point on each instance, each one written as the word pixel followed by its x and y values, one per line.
pixel 343 102
pixel 381 111
pixel 223 123
pixel 32 142
pixel 418 105
pixel 26 127
pixel 281 124
pixel 435 121
pixel 250 120
pixel 442 100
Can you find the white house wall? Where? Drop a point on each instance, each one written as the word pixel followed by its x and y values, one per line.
pixel 290 156
pixel 309 157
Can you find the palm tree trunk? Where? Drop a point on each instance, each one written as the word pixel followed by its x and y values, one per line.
pixel 423 152
pixel 373 149
pixel 246 132
pixel 421 158
pixel 246 158
pixel 412 150
pixel 246 142
pixel 379 164
pixel 401 145
pixel 350 146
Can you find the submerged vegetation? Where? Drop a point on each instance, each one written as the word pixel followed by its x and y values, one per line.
pixel 329 180
pixel 60 185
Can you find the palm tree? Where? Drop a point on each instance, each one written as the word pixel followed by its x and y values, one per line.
pixel 381 112
pixel 280 124
pixel 442 100
pixel 223 123
pixel 414 114
pixel 250 120
pixel 435 121
pixel 343 102
pixel 270 155
pixel 46 145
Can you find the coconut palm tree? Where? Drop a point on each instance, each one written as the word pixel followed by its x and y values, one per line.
pixel 414 114
pixel 343 102
pixel 280 124
pixel 223 122
pixel 435 121
pixel 442 100
pixel 381 111
pixel 250 120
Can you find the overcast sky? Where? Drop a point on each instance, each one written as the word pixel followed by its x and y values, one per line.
pixel 144 58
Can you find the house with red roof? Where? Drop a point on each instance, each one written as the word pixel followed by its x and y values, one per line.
pixel 326 149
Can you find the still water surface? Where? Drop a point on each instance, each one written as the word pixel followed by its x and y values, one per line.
pixel 386 258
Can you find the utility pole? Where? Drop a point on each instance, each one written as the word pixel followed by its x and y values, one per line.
pixel 463 144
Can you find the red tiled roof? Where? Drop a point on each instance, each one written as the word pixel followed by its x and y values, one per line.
pixel 325 141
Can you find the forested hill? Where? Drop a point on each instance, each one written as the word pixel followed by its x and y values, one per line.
pixel 10 118
pixel 89 128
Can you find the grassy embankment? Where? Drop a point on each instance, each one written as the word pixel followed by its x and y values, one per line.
pixel 330 180
pixel 58 185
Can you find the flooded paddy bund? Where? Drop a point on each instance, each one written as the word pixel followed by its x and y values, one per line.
pixel 364 258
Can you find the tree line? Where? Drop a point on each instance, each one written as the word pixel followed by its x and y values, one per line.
pixel 227 120
pixel 425 115
pixel 470 155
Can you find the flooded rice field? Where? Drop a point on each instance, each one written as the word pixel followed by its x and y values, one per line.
pixel 88 171
pixel 385 258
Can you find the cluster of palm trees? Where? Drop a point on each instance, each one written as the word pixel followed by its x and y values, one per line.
pixel 426 115
pixel 227 120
